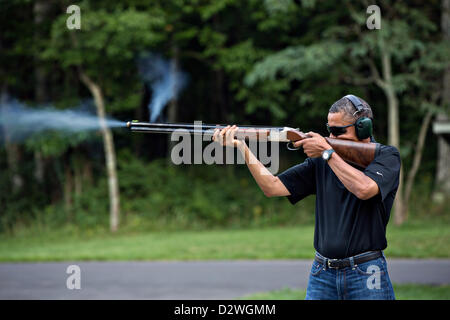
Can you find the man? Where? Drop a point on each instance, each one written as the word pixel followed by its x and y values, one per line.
pixel 352 205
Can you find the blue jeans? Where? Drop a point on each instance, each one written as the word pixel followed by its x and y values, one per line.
pixel 366 281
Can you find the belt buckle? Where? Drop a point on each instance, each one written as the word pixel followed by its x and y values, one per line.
pixel 329 265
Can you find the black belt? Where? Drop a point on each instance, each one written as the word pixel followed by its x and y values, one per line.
pixel 343 263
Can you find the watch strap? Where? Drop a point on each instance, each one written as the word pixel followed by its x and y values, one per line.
pixel 330 152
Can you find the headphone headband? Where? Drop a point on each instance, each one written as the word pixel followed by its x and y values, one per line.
pixel 357 103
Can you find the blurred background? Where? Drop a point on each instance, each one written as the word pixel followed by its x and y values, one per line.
pixel 254 62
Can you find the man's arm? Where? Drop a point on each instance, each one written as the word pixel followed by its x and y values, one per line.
pixel 362 186
pixel 269 184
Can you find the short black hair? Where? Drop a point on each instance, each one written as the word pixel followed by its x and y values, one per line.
pixel 346 106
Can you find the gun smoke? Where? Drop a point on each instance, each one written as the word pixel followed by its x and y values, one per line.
pixel 19 121
pixel 163 79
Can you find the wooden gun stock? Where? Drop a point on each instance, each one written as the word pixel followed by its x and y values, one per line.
pixel 357 153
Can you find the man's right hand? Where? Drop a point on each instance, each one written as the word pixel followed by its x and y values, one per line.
pixel 226 136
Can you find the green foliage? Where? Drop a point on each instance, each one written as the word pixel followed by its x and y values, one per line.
pixel 296 63
pixel 265 62
pixel 186 195
pixel 159 195
pixel 106 48
pixel 106 35
pixel 55 144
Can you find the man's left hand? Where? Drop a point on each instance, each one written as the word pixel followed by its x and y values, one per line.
pixel 313 146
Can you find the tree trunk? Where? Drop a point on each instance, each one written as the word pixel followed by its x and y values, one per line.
pixel 393 128
pixel 394 140
pixel 416 162
pixel 87 172
pixel 78 175
pixel 442 184
pixel 110 154
pixel 172 111
pixel 68 187
pixel 13 158
pixel 218 94
pixel 12 152
pixel 39 167
pixel 40 9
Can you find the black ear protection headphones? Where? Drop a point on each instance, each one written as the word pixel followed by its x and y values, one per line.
pixel 363 126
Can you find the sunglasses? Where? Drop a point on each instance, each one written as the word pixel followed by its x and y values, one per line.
pixel 338 130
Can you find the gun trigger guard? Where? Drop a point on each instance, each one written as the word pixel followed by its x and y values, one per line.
pixel 288 146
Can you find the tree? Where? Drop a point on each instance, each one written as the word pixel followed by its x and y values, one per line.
pixel 102 53
pixel 402 57
pixel 405 44
pixel 40 10
pixel 442 183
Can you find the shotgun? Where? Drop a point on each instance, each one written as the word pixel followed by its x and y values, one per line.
pixel 359 154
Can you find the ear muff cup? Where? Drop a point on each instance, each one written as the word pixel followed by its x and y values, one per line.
pixel 363 128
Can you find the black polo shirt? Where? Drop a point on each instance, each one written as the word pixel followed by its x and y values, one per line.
pixel 345 225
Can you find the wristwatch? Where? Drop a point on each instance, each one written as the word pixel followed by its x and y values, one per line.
pixel 326 155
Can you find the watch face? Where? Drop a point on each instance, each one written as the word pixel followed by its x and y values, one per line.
pixel 325 155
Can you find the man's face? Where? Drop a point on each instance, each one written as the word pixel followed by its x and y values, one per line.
pixel 338 119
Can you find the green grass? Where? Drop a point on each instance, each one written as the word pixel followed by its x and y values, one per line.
pixel 274 243
pixel 418 240
pixel 402 292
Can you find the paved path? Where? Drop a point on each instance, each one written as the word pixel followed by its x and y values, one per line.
pixel 184 280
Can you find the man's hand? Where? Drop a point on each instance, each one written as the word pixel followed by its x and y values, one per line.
pixel 269 184
pixel 226 136
pixel 313 146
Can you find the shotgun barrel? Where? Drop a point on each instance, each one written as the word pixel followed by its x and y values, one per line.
pixel 170 127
